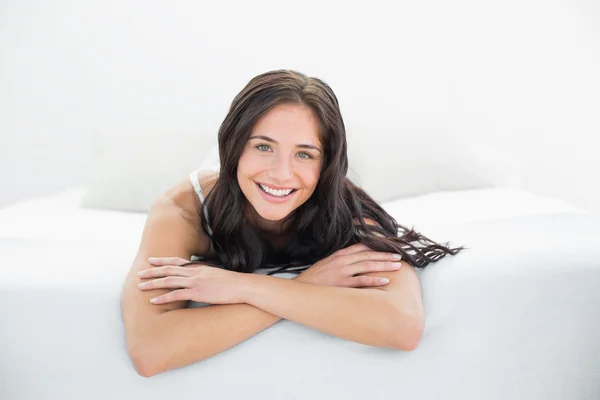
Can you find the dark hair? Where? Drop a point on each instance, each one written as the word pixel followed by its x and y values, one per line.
pixel 331 219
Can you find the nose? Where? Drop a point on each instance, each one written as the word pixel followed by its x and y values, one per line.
pixel 281 170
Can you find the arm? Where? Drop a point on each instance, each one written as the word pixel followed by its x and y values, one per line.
pixel 364 315
pixel 168 336
pixel 182 337
pixel 139 316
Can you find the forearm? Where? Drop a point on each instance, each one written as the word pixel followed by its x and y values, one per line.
pixel 364 315
pixel 184 336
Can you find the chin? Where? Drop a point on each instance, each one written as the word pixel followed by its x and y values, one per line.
pixel 270 215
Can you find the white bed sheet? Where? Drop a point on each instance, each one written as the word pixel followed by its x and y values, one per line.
pixel 60 217
pixel 518 320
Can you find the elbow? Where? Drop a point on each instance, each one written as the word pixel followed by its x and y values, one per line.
pixel 409 345
pixel 408 336
pixel 143 369
pixel 143 361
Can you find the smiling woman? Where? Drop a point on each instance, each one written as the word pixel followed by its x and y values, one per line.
pixel 283 156
pixel 280 200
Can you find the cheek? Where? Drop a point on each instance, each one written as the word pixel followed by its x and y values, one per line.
pixel 247 165
pixel 310 176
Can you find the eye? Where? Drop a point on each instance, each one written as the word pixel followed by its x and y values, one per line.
pixel 304 155
pixel 263 147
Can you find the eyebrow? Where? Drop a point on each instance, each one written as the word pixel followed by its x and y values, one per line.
pixel 303 146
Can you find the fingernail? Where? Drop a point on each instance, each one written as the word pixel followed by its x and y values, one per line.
pixel 141 273
pixel 153 300
pixel 397 256
pixel 396 264
pixel 141 285
pixel 383 280
pixel 152 259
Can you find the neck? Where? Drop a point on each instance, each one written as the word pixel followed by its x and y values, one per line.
pixel 266 226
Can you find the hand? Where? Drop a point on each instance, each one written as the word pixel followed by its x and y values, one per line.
pixel 195 282
pixel 339 268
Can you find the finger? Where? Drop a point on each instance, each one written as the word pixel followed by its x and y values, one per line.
pixel 367 281
pixel 170 282
pixel 370 255
pixel 372 266
pixel 169 270
pixel 167 261
pixel 176 295
pixel 355 248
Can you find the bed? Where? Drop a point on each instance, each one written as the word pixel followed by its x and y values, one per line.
pixel 514 317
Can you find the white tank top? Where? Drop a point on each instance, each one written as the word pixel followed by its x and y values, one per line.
pixel 200 193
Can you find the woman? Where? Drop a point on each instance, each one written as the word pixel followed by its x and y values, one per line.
pixel 281 199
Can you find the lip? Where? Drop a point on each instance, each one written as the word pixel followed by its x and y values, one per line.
pixel 274 186
pixel 273 199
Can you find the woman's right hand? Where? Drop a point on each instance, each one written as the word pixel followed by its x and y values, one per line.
pixel 340 268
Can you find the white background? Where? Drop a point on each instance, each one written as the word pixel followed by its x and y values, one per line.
pixel 520 75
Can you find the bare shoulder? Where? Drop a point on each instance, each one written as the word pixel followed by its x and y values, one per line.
pixel 369 221
pixel 184 198
pixel 184 195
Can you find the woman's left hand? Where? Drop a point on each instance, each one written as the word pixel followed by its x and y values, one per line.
pixel 195 282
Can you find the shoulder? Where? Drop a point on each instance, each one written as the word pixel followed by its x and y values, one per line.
pixel 183 199
pixel 371 222
pixel 207 180
pixel 184 196
pixel 368 221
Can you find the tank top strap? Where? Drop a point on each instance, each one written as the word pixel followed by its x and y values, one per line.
pixel 200 193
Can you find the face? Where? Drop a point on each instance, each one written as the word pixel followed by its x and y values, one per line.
pixel 281 162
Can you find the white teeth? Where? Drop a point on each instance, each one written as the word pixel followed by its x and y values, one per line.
pixel 274 192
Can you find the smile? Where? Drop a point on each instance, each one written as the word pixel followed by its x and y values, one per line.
pixel 278 193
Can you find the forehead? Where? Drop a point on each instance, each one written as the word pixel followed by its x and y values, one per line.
pixel 289 122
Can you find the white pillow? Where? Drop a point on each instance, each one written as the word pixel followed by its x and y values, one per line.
pixel 130 168
pixel 411 158
pixel 212 162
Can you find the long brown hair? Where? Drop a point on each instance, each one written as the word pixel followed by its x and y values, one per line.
pixel 331 219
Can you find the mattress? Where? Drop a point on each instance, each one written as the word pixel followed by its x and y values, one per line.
pixel 514 317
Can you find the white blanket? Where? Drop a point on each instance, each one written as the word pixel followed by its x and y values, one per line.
pixel 514 317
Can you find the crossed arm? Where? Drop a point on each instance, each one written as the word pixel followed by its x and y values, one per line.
pixel 172 336
pixel 389 316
